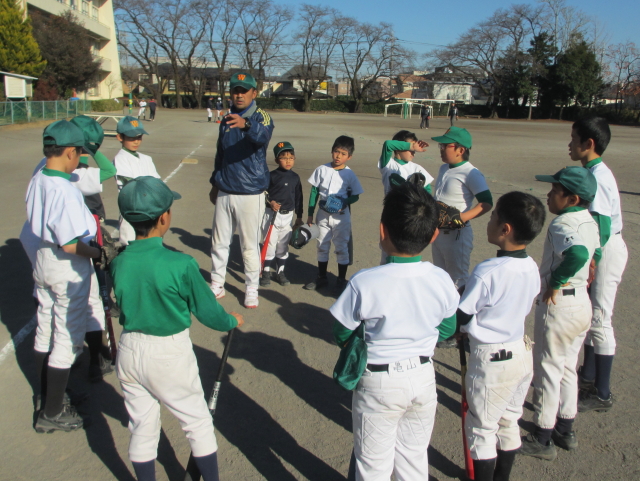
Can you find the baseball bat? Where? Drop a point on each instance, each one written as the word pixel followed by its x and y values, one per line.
pixel 468 462
pixel 193 473
pixel 265 245
pixel 104 295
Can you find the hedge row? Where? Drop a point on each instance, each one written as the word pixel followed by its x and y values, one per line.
pixel 105 105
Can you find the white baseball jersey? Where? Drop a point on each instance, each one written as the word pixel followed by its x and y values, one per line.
pixel 328 181
pixel 389 165
pixel 401 304
pixel 573 228
pixel 130 166
pixel 499 294
pixel 607 200
pixel 458 186
pixel 56 211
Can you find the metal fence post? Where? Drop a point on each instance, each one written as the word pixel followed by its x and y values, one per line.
pixel 43 114
pixel 11 103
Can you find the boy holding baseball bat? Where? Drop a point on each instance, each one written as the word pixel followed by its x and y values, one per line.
pixel 157 290
pixel 284 197
pixel 497 298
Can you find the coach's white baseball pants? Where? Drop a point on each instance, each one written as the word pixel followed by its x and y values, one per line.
pixel 63 284
pixel 496 392
pixel 154 370
pixel 451 251
pixel 245 213
pixel 393 419
pixel 559 331
pixel 280 234
pixel 336 227
pixel 603 295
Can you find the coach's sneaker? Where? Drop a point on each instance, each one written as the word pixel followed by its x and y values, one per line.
pixel 590 401
pixel 67 420
pixel 282 279
pixel 218 290
pixel 567 441
pixel 320 282
pixel 531 447
pixel 265 279
pixel 251 297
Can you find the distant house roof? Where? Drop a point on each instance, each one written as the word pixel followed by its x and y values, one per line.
pixel 23 77
pixel 302 72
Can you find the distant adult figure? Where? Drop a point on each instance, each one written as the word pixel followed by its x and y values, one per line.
pixel 152 109
pixel 425 115
pixel 453 114
pixel 209 109
pixel 143 108
pixel 219 108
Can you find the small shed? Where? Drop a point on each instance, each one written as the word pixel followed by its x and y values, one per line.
pixel 17 86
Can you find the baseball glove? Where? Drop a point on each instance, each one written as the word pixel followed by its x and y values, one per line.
pixel 449 217
pixel 333 204
pixel 417 178
pixel 108 251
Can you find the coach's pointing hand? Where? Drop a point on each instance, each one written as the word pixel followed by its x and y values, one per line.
pixel 234 120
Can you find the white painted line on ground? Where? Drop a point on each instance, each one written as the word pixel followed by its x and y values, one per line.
pixel 11 346
pixel 175 171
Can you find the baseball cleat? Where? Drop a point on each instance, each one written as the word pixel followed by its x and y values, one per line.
pixel 68 420
pixel 590 401
pixel 567 441
pixel 531 447
pixel 251 297
pixel 282 279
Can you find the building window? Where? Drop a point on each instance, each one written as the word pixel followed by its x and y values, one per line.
pixel 94 91
pixel 172 85
pixel 85 8
pixel 73 5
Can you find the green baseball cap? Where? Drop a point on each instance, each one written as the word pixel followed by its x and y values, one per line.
pixel 455 135
pixel 145 198
pixel 243 80
pixel 63 134
pixel 92 130
pixel 130 126
pixel 577 180
pixel 281 147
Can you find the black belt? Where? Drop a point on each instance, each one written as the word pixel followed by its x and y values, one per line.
pixel 385 367
pixel 568 292
pixel 283 211
pixel 617 233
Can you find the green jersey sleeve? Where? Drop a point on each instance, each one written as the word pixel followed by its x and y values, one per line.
pixel 574 259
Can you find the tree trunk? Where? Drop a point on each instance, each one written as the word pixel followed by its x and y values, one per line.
pixel 530 109
pixel 494 111
pixel 560 114
pixel 358 106
pixel 306 97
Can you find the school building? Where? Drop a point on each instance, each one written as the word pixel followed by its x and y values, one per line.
pixel 97 18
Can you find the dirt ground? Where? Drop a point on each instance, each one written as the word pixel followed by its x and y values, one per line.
pixel 280 416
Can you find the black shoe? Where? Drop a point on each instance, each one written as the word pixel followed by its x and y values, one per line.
pixel 566 441
pixel 447 344
pixel 98 371
pixel 531 447
pixel 319 283
pixel 341 284
pixel 282 279
pixel 590 401
pixel 68 420
pixel 265 280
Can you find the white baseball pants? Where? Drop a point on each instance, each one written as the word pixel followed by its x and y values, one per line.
pixel 336 227
pixel 63 284
pixel 127 234
pixel 559 331
pixel 603 295
pixel 141 111
pixel 245 213
pixel 496 391
pixel 393 419
pixel 154 370
pixel 209 113
pixel 451 251
pixel 280 234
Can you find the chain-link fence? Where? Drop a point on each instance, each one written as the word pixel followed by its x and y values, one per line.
pixel 22 112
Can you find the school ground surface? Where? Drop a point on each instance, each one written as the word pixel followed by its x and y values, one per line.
pixel 280 416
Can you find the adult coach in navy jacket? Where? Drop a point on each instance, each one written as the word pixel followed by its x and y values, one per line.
pixel 239 180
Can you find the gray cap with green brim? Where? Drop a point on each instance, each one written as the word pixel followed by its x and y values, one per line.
pixel 145 198
pixel 577 180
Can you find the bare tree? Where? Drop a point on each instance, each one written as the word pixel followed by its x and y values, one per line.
pixel 366 53
pixel 318 35
pixel 221 19
pixel 564 22
pixel 194 27
pixel 262 26
pixel 624 61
